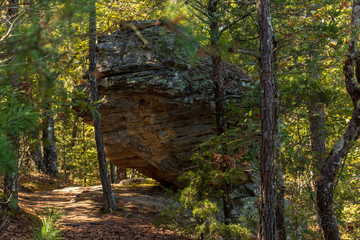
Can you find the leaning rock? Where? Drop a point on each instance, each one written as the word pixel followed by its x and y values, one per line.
pixel 156 99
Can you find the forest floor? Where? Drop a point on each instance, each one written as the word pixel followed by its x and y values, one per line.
pixel 84 218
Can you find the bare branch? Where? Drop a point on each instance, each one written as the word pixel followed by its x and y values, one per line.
pixel 9 30
pixel 246 52
pixel 238 20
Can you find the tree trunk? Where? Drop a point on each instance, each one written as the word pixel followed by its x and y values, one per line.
pixel 218 82
pixel 279 174
pixel 49 146
pixel 267 219
pixel 36 152
pixel 113 173
pixel 74 132
pixel 328 168
pixel 280 202
pixel 317 143
pixel 110 202
pixel 121 173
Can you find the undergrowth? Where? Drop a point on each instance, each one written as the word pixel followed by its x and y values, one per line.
pixel 50 229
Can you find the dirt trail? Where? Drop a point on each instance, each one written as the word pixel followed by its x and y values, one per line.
pixel 83 218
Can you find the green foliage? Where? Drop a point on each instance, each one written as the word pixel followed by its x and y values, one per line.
pixel 77 155
pixel 16 118
pixel 200 201
pixel 49 42
pixel 50 229
pixel 16 115
pixel 7 157
pixel 13 203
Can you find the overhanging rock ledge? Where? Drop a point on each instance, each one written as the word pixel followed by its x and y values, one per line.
pixel 156 99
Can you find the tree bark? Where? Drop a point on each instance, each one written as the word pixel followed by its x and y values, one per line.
pixel 267 219
pixel 49 146
pixel 279 174
pixel 36 152
pixel 317 140
pixel 121 173
pixel 110 202
pixel 329 166
pixel 113 173
pixel 74 131
pixel 280 202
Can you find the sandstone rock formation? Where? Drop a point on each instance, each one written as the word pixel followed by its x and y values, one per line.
pixel 156 99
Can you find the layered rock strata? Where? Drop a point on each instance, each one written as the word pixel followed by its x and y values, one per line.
pixel 156 98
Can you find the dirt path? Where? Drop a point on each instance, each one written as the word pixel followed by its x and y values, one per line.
pixel 83 218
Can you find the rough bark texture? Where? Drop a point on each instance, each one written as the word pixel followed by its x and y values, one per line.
pixel 317 142
pixel 157 100
pixel 36 152
pixel 279 174
pixel 49 146
pixel 330 165
pixel 267 217
pixel 110 202
pixel 279 181
pixel 113 173
pixel 318 146
pixel 280 202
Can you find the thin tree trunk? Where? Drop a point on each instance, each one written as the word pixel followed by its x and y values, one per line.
pixel 280 202
pixel 279 173
pixel 113 173
pixel 110 202
pixel 121 173
pixel 330 165
pixel 218 82
pixel 267 219
pixel 49 146
pixel 74 132
pixel 318 146
pixel 279 178
pixel 36 152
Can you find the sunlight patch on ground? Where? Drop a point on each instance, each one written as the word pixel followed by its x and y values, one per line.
pixel 78 189
pixel 68 189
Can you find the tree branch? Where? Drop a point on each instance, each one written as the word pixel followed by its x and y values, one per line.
pixel 238 20
pixel 247 52
pixel 352 59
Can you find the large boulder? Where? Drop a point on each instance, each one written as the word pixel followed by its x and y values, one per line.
pixel 156 98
